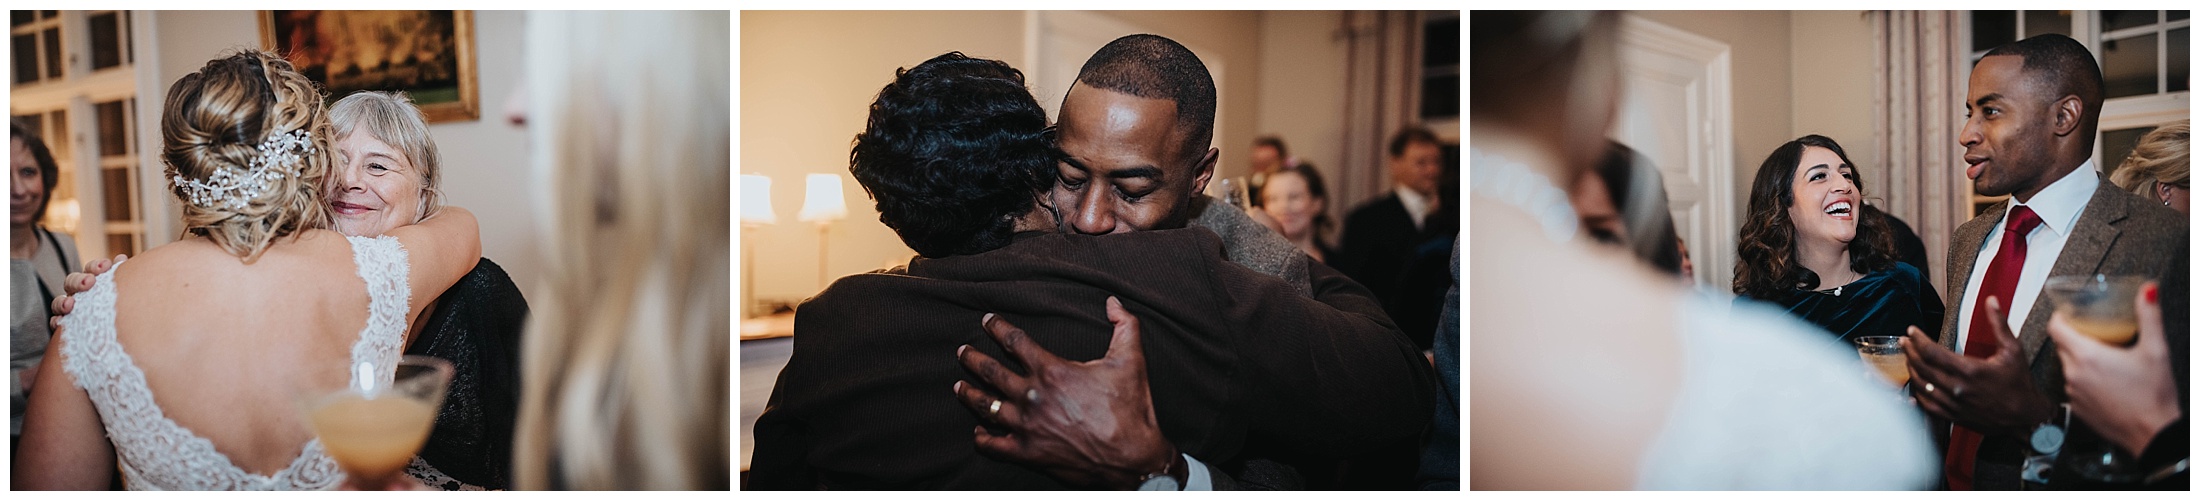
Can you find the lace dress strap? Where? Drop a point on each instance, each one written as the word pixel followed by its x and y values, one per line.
pixel 153 451
pixel 383 265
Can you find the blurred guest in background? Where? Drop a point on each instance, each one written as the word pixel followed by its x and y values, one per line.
pixel 1808 247
pixel 626 355
pixel 1624 205
pixel 1269 156
pixel 34 256
pixel 1297 201
pixel 1575 344
pixel 2160 167
pixel 1384 237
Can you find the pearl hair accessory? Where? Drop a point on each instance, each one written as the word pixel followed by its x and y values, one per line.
pixel 231 187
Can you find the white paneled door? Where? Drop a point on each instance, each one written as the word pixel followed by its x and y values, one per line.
pixel 1677 111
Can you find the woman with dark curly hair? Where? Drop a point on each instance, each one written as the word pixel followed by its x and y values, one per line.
pixel 958 156
pixel 1809 246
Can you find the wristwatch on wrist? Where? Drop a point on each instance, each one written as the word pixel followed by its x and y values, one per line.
pixel 2047 439
pixel 1170 478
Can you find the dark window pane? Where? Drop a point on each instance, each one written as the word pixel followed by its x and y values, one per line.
pixel 2180 60
pixel 2117 144
pixel 48 14
pixel 106 41
pixel 1991 28
pixel 115 184
pixel 53 53
pixel 2177 15
pixel 26 58
pixel 2112 20
pixel 122 243
pixel 2128 66
pixel 2041 22
pixel 21 17
pixel 1440 43
pixel 1440 96
pixel 31 120
pixel 127 49
pixel 113 131
pixel 57 137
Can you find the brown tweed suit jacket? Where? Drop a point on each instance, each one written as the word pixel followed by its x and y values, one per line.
pixel 2118 234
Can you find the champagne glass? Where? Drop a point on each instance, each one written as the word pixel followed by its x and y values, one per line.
pixel 373 428
pixel 2101 307
pixel 1884 355
pixel 1235 192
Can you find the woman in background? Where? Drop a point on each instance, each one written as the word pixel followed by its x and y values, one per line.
pixel 627 358
pixel 35 255
pixel 1810 248
pixel 2159 167
pixel 1295 198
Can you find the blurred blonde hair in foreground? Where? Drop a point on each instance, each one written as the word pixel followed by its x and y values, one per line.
pixel 626 356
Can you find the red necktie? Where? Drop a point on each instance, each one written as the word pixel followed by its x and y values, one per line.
pixel 2000 282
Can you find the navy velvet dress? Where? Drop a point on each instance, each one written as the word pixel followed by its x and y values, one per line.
pixel 1883 303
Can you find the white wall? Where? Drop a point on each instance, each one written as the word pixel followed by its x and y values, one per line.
pixel 1302 67
pixel 485 164
pixel 1831 82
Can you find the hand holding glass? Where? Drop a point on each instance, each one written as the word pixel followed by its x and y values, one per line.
pixel 373 429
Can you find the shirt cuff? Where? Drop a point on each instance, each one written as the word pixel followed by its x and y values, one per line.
pixel 1198 480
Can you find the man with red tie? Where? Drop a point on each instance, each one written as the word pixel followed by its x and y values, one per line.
pixel 2034 110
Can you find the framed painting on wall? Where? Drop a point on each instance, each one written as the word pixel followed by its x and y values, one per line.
pixel 427 54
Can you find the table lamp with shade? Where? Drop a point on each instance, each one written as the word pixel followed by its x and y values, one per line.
pixel 756 211
pixel 823 204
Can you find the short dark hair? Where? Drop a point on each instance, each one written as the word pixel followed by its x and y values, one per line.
pixel 1414 134
pixel 49 173
pixel 1273 142
pixel 954 150
pixel 2061 66
pixel 1155 67
pixel 1767 267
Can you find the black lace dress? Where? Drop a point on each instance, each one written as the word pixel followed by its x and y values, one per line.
pixel 476 326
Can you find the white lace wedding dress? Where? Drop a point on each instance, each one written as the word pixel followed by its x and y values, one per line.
pixel 156 453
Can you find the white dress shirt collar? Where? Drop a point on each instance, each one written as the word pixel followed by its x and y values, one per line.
pixel 1417 205
pixel 2060 202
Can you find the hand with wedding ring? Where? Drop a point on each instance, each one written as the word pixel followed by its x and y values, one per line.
pixel 1991 394
pixel 1089 424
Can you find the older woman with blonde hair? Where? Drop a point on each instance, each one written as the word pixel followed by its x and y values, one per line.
pixel 2159 167
pixel 627 357
pixel 231 324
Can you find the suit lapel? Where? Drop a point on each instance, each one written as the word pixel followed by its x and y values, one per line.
pixel 2082 254
pixel 1969 241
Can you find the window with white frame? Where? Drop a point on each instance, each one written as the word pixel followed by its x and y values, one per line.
pixel 73 82
pixel 2145 64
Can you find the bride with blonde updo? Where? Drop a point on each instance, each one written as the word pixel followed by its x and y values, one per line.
pixel 182 368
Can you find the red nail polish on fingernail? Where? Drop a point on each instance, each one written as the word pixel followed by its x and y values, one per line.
pixel 2154 294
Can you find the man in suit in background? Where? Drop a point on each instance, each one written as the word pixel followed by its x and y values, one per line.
pixel 1382 236
pixel 2034 112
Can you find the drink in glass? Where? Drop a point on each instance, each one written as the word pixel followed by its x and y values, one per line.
pixel 1884 355
pixel 373 429
pixel 2099 306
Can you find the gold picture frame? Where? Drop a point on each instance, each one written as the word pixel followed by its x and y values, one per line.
pixel 428 55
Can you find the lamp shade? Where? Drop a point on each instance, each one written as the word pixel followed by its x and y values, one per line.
pixel 756 200
pixel 821 200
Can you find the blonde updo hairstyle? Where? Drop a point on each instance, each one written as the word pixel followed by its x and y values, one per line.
pixel 216 117
pixel 392 118
pixel 2163 156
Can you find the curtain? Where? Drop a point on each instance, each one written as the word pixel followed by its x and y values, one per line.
pixel 1383 69
pixel 1917 108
